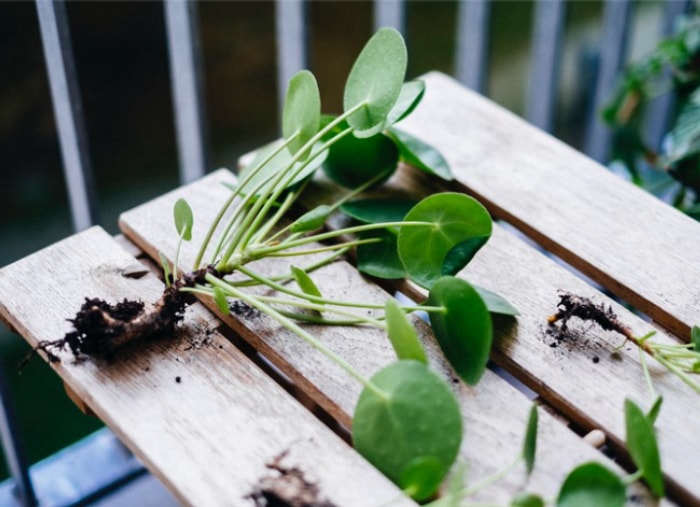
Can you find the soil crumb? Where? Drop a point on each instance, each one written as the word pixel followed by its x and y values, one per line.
pixel 287 488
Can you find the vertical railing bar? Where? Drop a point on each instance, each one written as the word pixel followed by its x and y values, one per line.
pixel 68 111
pixel 545 63
pixel 658 116
pixel 390 13
pixel 613 49
pixel 187 90
pixel 12 446
pixel 291 32
pixel 472 43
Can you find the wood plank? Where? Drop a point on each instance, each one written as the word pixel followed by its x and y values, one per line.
pixel 614 232
pixel 494 413
pixel 201 416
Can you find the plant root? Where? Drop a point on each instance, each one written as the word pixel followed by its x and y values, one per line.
pixel 572 305
pixel 101 328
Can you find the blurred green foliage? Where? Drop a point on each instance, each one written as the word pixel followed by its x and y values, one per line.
pixel 674 167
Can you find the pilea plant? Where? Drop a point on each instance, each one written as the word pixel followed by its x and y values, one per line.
pixel 407 421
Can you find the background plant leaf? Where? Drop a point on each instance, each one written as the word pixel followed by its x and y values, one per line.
pixel 459 255
pixel 380 259
pixel 312 219
pixel 420 154
pixel 373 211
pixel 352 162
pixel 409 97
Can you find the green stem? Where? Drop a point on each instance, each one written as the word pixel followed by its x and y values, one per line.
pixel 321 308
pixel 260 252
pixel 294 328
pixel 495 477
pixel 235 193
pixel 632 478
pixel 679 373
pixel 645 370
pixel 327 248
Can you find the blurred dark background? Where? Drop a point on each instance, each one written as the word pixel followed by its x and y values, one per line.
pixel 121 58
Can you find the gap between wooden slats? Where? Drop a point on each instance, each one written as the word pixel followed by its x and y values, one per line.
pixel 494 412
pixel 192 407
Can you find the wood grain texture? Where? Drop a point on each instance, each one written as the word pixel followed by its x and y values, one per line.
pixel 201 416
pixel 494 412
pixel 616 233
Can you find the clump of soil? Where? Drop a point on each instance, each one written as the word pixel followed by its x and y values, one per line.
pixel 287 488
pixel 101 328
pixel 572 305
pixel 584 309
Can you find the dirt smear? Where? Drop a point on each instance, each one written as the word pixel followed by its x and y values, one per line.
pixel 288 487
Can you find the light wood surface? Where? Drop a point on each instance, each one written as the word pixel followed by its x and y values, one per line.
pixel 494 412
pixel 199 413
pixel 627 240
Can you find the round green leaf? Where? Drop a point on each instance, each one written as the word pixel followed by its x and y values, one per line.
pixel 375 80
pixel 414 416
pixel 301 116
pixel 409 97
pixel 380 259
pixel 421 477
pixel 463 330
pixel 460 254
pixel 592 484
pixel 527 500
pixel 530 441
pixel 402 334
pixel 373 211
pixel 353 162
pixel 454 218
pixel 421 155
pixel 642 446
pixel 183 219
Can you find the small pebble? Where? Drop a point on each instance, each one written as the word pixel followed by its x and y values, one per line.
pixel 596 438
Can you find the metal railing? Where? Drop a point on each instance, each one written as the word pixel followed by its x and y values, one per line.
pixel 471 68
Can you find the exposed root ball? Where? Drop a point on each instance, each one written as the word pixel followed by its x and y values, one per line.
pixel 101 328
pixel 572 305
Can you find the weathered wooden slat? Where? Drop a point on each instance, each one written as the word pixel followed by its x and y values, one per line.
pixel 494 412
pixel 625 239
pixel 201 416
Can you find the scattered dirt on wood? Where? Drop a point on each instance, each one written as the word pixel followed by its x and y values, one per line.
pixel 287 488
pixel 243 310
